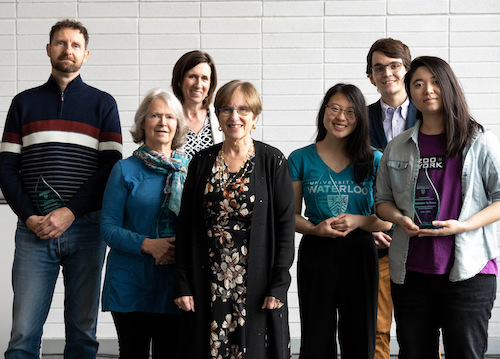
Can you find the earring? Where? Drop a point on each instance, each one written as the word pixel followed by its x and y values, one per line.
pixel 254 127
pixel 220 128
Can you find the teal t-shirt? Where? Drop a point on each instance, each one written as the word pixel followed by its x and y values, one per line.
pixel 327 193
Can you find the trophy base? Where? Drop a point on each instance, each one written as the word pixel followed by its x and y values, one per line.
pixel 428 226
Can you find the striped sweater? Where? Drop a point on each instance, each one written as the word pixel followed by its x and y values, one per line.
pixel 73 139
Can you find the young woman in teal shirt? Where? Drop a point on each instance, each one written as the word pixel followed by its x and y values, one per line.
pixel 336 176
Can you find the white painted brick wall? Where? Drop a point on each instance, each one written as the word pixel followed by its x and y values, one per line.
pixel 169 26
pixel 170 9
pixel 349 8
pixel 354 24
pixel 7 11
pixel 292 51
pixel 422 7
pixel 475 7
pixel 279 25
pixel 474 23
pixel 294 8
pixel 7 27
pixel 231 9
pixel 47 10
pixel 107 9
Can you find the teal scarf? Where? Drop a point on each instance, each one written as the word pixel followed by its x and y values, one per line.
pixel 175 168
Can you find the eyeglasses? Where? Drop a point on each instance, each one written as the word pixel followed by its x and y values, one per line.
pixel 393 66
pixel 335 111
pixel 228 111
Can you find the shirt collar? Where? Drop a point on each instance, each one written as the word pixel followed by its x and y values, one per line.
pixel 403 108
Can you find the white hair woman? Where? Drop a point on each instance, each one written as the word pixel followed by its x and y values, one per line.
pixel 140 207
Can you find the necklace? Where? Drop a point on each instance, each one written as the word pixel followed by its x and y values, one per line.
pixel 224 174
pixel 339 162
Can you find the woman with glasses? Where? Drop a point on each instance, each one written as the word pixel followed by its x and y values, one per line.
pixel 139 210
pixel 337 265
pixel 439 183
pixel 194 80
pixel 235 241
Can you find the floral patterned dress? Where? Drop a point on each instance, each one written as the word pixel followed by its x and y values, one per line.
pixel 228 207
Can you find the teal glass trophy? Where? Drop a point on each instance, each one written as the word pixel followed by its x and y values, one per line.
pixel 46 198
pixel 165 222
pixel 329 201
pixel 426 201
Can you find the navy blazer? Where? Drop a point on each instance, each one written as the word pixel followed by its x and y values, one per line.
pixel 377 134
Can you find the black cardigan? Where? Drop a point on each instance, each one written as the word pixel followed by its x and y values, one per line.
pixel 271 251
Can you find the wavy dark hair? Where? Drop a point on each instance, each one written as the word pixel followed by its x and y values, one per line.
pixel 390 48
pixel 459 125
pixel 358 145
pixel 187 62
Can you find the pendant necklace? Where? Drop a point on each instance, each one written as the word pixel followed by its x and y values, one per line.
pixel 224 174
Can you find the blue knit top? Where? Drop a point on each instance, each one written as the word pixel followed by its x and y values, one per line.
pixel 132 202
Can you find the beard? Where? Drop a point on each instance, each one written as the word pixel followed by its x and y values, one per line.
pixel 67 67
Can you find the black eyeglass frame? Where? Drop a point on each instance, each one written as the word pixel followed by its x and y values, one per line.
pixel 381 68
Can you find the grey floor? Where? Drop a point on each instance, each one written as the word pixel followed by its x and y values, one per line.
pixel 295 356
pixel 108 356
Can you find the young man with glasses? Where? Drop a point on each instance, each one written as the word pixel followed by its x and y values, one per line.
pixel 387 63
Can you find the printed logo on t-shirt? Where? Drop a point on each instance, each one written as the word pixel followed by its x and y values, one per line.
pixel 432 162
pixel 332 197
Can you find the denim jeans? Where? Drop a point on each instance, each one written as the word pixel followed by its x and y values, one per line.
pixel 426 303
pixel 80 252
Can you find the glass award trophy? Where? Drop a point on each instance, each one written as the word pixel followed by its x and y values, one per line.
pixel 165 222
pixel 426 201
pixel 46 198
pixel 329 201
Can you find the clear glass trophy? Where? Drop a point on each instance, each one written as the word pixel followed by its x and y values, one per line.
pixel 165 222
pixel 426 202
pixel 46 198
pixel 329 201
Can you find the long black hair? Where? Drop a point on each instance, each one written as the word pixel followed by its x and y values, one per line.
pixel 358 144
pixel 459 126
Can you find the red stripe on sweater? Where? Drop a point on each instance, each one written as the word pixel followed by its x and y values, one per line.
pixel 110 136
pixel 60 125
pixel 11 138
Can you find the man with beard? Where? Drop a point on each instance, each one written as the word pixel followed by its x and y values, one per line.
pixel 60 142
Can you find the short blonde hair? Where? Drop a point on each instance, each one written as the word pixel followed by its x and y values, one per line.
pixel 225 93
pixel 174 105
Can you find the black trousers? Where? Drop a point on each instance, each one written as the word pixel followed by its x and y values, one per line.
pixel 138 332
pixel 426 303
pixel 338 282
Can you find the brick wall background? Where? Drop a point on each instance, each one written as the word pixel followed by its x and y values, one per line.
pixel 293 51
